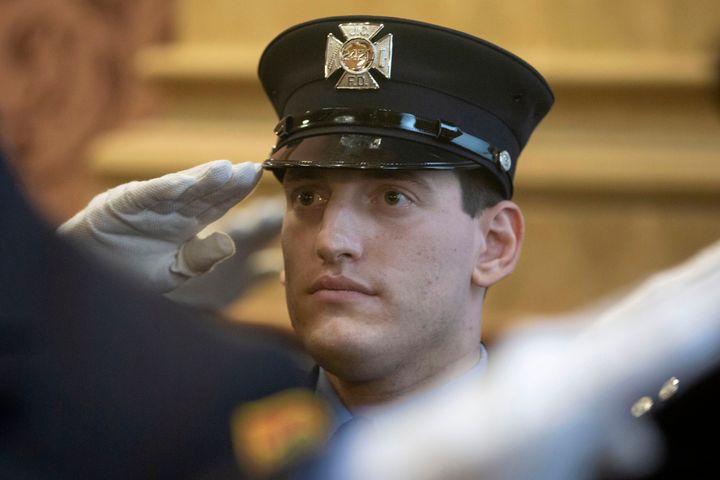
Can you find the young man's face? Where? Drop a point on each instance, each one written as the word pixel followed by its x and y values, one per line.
pixel 378 268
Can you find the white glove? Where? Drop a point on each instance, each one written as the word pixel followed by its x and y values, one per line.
pixel 251 227
pixel 150 228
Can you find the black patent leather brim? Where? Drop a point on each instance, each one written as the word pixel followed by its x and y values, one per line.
pixel 366 151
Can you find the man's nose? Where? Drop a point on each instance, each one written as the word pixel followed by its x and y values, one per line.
pixel 340 236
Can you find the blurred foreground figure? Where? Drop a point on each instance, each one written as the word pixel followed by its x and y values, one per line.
pixel 98 380
pixel 627 391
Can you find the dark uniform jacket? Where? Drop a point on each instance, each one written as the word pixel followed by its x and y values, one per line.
pixel 98 380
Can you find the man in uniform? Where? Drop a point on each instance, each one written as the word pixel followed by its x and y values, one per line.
pixel 397 146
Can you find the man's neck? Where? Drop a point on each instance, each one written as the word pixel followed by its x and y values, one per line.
pixel 387 391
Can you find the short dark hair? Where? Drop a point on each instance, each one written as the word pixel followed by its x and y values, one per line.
pixel 479 190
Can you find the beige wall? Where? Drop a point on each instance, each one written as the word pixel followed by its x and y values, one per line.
pixel 621 179
pixel 66 74
pixel 677 25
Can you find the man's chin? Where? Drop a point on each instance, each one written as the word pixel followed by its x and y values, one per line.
pixel 335 324
pixel 340 349
pixel 352 368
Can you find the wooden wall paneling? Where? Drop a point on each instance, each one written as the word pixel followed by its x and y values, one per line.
pixel 67 74
pixel 622 178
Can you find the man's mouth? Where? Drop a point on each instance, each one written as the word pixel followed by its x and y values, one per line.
pixel 333 286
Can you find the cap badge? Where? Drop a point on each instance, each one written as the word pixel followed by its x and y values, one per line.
pixel 357 55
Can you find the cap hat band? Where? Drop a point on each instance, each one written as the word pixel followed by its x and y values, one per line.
pixel 292 125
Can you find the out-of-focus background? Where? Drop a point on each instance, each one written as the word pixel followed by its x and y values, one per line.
pixel 621 179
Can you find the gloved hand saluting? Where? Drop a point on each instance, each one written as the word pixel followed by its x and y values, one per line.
pixel 252 228
pixel 150 227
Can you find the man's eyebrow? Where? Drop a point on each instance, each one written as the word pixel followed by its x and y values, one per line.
pixel 304 174
pixel 401 175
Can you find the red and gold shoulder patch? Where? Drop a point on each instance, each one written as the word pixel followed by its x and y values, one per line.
pixel 271 434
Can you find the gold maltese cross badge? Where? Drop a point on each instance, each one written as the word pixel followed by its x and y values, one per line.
pixel 357 55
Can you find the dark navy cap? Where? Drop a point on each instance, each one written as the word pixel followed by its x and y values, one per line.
pixel 389 93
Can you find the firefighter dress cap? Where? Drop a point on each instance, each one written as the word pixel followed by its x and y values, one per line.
pixel 387 93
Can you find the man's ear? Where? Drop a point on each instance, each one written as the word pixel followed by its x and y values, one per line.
pixel 282 276
pixel 502 228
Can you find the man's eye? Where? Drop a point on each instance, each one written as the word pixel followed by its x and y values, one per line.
pixel 393 197
pixel 307 198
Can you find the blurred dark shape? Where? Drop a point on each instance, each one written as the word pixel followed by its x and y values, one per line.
pixel 98 380
pixel 688 423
